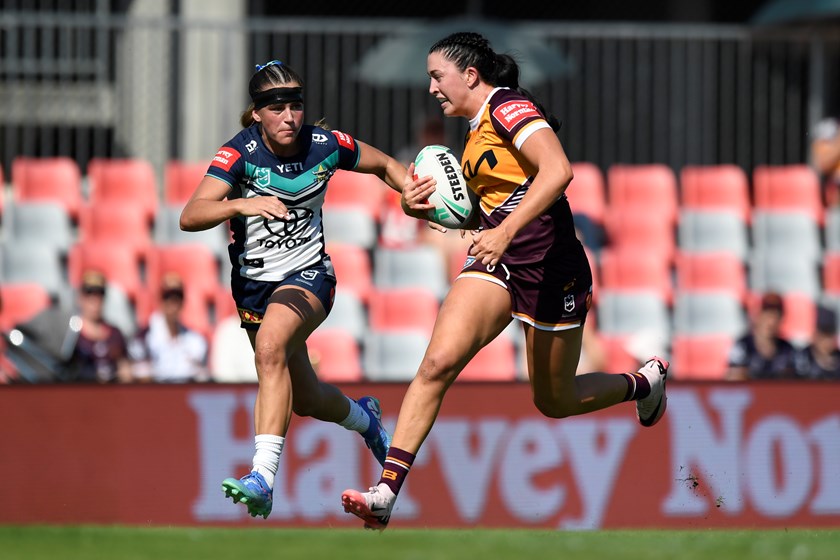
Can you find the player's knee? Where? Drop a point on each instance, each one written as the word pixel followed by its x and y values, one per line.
pixel 554 408
pixel 438 367
pixel 269 359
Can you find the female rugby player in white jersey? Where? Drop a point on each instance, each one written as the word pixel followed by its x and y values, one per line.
pixel 269 181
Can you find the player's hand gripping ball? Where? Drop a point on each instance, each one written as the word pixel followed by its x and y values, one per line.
pixel 453 200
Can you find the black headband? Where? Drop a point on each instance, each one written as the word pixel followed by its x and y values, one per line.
pixel 276 96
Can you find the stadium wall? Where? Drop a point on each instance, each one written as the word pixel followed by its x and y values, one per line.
pixel 726 455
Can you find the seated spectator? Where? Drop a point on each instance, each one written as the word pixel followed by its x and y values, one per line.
pixel 231 354
pixel 168 351
pixel 825 157
pixel 821 359
pixel 763 353
pixel 100 353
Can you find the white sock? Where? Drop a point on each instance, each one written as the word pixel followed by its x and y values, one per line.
pixel 357 419
pixel 267 458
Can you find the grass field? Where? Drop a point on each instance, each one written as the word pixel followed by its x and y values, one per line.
pixel 133 543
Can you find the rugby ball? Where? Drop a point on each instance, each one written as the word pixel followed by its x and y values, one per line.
pixel 453 200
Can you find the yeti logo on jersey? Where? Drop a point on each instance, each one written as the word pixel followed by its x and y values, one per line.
pixel 569 303
pixel 319 138
pixel 251 146
pixel 262 177
pixel 309 274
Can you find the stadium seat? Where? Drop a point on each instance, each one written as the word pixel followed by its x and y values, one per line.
pixel 831 273
pixel 711 272
pixel 223 304
pixel 633 270
pixel 799 316
pixel 632 312
pixel 700 356
pixel 20 302
pixel 774 272
pixel 832 229
pixel 119 222
pixel 786 233
pixel 363 192
pixel 167 231
pixel 55 179
pixel 618 357
pixel 494 362
pixel 31 261
pixel 421 266
pixel 394 309
pixel 349 226
pixel 193 262
pixel 706 313
pixel 393 356
pixel 641 230
pixel 353 269
pixel 715 188
pixel 130 181
pixel 348 315
pixel 586 192
pixel 457 260
pixel 702 231
pixel 47 221
pixel 786 188
pixel 181 179
pixel 335 355
pixel 645 191
pixel 119 266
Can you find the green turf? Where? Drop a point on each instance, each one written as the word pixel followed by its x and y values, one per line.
pixel 135 543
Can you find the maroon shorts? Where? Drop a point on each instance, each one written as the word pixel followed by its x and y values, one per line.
pixel 544 295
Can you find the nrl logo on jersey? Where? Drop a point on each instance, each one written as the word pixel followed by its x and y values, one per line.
pixel 262 177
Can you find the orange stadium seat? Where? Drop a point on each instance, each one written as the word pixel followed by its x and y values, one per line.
pixel 700 356
pixel 111 220
pixel 403 308
pixel 711 272
pixel 364 191
pixel 831 273
pixel 494 362
pixel 623 270
pixel 55 179
pixel 335 355
pixel 586 192
pixel 353 269
pixel 715 188
pixel 181 179
pixel 648 191
pixel 119 266
pixel 130 181
pixel 20 302
pixel 788 188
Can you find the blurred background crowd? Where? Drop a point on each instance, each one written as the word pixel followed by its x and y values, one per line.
pixel 704 139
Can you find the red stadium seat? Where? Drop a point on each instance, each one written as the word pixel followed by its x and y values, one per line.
pixel 353 269
pixel 788 188
pixel 335 355
pixel 403 308
pixel 116 221
pixel 494 362
pixel 130 181
pixel 700 356
pixel 194 263
pixel 711 272
pixel 119 266
pixel 641 230
pixel 357 190
pixel 55 179
pixel 647 192
pixel 20 302
pixel 831 273
pixel 586 192
pixel 715 188
pixel 181 179
pixel 623 270
pixel 619 359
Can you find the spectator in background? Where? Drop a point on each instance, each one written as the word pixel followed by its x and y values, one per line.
pixel 167 351
pixel 100 353
pixel 821 359
pixel 825 157
pixel 763 353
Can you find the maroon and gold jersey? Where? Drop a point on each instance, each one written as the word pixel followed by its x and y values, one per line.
pixel 498 173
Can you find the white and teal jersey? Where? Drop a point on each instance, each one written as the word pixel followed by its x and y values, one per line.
pixel 271 250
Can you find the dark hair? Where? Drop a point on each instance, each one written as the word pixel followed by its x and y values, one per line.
pixel 466 49
pixel 272 74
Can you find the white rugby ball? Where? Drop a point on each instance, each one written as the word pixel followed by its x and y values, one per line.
pixel 453 200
